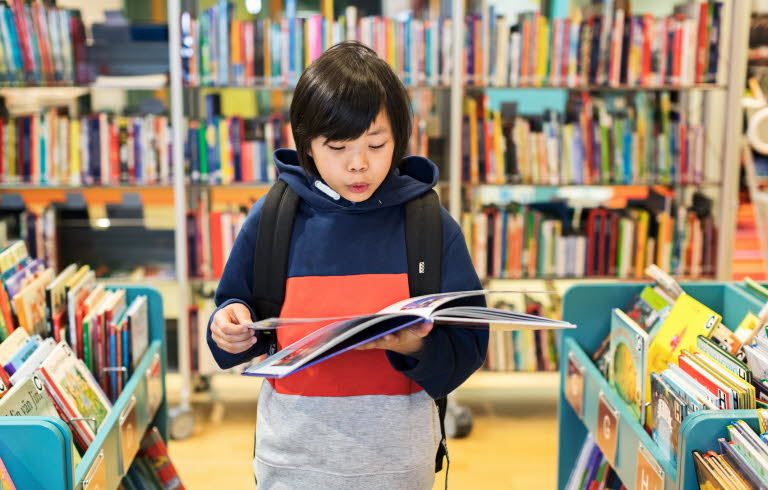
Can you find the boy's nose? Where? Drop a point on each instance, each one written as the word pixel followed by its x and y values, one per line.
pixel 358 163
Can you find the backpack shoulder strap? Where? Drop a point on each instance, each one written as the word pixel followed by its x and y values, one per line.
pixel 424 244
pixel 273 243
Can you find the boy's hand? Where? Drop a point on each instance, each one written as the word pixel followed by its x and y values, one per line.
pixel 228 330
pixel 406 341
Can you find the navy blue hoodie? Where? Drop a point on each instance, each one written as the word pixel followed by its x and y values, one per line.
pixel 357 251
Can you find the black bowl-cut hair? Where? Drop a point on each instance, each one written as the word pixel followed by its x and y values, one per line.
pixel 340 94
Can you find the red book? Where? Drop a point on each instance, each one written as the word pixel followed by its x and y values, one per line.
pixel 217 251
pixel 702 43
pixel 17 8
pixel 612 227
pixel 565 51
pixel 646 75
pixel 5 382
pixel 114 153
pixel 39 15
pixel 154 448
pixel 677 48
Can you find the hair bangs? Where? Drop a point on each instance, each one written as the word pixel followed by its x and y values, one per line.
pixel 345 112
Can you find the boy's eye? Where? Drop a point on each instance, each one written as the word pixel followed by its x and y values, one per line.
pixel 336 148
pixel 376 147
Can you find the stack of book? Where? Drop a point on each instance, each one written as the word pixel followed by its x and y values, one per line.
pixel 742 461
pixel 223 150
pixel 668 355
pixel 639 139
pixel 552 239
pixel 41 45
pixel 602 45
pixel 52 148
pixel 66 331
pixel 218 50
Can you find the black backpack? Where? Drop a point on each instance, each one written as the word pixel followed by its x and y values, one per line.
pixel 423 237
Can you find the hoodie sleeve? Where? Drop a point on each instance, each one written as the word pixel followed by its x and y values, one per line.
pixel 451 354
pixel 236 286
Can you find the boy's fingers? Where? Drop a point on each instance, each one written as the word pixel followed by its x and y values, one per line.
pixel 232 329
pixel 236 337
pixel 232 347
pixel 240 314
pixel 422 330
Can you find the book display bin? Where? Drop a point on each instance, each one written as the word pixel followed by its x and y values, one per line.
pixel 38 451
pixel 604 414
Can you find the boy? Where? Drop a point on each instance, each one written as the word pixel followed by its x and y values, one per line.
pixel 366 418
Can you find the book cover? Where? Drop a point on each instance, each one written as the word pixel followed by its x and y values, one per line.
pixel 668 411
pixel 12 344
pixel 627 356
pixel 28 398
pixel 687 320
pixel 75 390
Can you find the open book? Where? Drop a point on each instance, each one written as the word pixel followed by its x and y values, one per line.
pixel 346 333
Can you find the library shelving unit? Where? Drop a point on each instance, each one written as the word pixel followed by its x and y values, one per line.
pixel 604 414
pixel 722 128
pixel 38 451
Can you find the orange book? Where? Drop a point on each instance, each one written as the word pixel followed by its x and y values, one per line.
pixel 524 73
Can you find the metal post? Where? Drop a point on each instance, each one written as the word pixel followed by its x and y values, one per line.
pixel 179 198
pixel 457 91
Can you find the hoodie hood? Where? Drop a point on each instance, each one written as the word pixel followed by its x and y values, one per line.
pixel 415 176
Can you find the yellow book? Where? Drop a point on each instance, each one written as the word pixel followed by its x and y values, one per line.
pixel 474 162
pixel 227 172
pixel 77 276
pixel 267 50
pixel 641 238
pixel 686 321
pixel 390 42
pixel 542 51
pixel 74 151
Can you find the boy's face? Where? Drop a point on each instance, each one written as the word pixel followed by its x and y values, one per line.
pixel 356 168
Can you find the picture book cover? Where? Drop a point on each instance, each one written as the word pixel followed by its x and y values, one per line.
pixel 30 303
pixel 686 321
pixel 23 354
pixel 28 398
pixel 729 361
pixel 75 390
pixel 12 344
pixel 627 356
pixel 668 411
pixel 342 335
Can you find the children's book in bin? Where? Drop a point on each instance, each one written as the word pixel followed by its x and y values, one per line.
pixel 629 343
pixel 346 333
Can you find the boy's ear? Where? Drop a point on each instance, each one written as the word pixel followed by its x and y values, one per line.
pixel 309 151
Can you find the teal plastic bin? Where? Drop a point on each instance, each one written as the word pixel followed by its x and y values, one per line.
pixel 588 306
